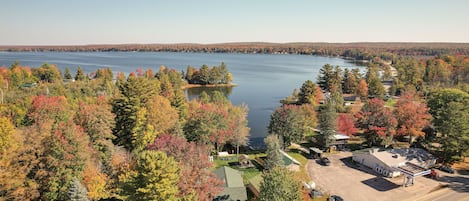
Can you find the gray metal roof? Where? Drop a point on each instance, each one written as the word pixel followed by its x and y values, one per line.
pixel 233 186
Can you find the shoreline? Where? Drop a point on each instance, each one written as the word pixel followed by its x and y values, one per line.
pixel 189 86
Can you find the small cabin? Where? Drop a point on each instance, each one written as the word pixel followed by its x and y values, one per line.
pixel 339 141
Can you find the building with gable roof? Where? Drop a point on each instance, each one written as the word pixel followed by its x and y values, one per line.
pixel 233 186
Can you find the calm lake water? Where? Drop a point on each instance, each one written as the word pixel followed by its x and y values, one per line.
pixel 262 79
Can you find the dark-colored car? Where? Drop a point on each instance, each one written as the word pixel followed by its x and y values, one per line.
pixel 315 193
pixel 325 161
pixel 335 198
pixel 447 169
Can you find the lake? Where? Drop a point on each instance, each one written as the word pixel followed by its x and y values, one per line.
pixel 263 79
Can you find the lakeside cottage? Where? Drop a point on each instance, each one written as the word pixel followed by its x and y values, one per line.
pixel 233 186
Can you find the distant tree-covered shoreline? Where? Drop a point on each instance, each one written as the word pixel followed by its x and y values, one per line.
pixel 358 51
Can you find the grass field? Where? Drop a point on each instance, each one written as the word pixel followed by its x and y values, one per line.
pixel 302 174
pixel 248 173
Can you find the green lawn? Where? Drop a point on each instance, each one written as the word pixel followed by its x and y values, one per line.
pixel 391 102
pixel 219 163
pixel 248 173
pixel 297 155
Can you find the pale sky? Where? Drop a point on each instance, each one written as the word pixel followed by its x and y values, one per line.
pixel 79 22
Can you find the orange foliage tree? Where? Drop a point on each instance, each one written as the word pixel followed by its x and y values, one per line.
pixel 346 124
pixel 378 122
pixel 207 123
pixel 318 97
pixel 412 116
pixel 362 89
pixel 46 110
pixel 95 181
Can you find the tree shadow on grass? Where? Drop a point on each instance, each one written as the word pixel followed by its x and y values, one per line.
pixel 306 155
pixel 380 184
pixel 257 165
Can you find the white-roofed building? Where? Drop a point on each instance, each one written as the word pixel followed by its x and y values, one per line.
pixel 394 162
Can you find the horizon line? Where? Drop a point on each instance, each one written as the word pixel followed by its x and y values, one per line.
pixel 245 42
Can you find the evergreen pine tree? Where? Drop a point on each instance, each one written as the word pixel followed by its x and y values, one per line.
pixel 307 93
pixel 135 93
pixel 77 192
pixel 375 87
pixel 179 102
pixel 274 157
pixel 80 75
pixel 350 82
pixel 68 74
pixel 204 74
pixel 327 123
pixel 325 76
pixel 279 184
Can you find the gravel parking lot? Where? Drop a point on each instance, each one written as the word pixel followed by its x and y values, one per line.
pixel 355 182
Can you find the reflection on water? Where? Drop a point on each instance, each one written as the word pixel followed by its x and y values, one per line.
pixel 192 93
pixel 358 62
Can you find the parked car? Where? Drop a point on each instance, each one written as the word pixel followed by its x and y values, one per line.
pixel 325 161
pixel 447 169
pixel 315 193
pixel 335 198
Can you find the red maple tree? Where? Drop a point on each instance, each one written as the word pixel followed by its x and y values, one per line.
pixel 346 124
pixel 412 116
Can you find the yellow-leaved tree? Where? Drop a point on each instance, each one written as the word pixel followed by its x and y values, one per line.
pixel 95 181
pixel 6 132
pixel 155 177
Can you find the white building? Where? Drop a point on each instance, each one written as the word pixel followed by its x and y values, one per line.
pixel 393 162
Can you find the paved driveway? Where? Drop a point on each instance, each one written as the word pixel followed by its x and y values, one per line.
pixel 361 184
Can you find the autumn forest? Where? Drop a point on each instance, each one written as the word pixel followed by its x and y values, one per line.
pixel 104 135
